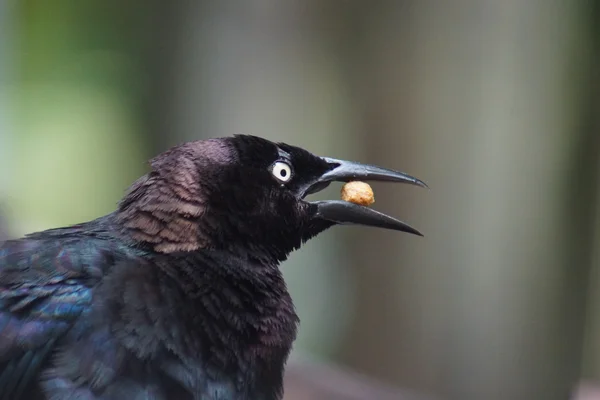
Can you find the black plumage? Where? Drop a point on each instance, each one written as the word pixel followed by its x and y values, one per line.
pixel 177 294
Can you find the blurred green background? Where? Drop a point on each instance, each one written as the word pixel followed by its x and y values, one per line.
pixel 494 104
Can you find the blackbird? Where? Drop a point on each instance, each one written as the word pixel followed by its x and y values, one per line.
pixel 177 294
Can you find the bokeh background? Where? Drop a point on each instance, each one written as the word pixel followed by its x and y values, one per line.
pixel 495 104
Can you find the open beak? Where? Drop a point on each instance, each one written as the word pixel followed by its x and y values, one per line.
pixel 343 212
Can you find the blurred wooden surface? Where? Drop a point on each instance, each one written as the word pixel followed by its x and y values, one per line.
pixel 587 391
pixel 312 381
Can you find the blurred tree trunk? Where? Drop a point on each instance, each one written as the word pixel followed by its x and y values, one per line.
pixel 591 350
pixel 489 305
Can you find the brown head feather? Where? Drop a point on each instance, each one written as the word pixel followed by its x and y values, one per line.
pixel 163 208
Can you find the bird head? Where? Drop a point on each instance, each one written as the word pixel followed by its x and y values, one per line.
pixel 246 195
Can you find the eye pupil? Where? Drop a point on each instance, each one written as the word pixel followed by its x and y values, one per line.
pixel 283 173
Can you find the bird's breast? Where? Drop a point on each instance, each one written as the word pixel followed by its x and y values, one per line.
pixel 216 316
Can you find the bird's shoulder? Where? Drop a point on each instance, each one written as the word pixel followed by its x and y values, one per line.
pixel 38 260
pixel 46 283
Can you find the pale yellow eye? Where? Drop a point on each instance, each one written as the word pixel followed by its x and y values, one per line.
pixel 282 171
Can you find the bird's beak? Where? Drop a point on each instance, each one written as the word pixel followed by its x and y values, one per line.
pixel 343 212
